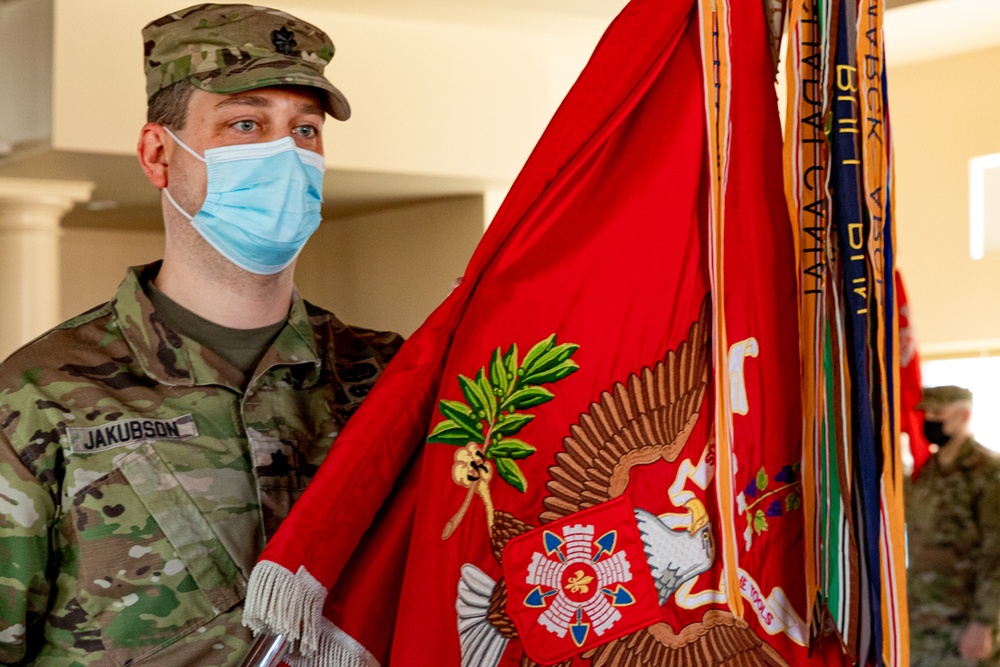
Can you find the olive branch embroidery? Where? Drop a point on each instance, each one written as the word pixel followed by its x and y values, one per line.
pixel 484 427
pixel 757 489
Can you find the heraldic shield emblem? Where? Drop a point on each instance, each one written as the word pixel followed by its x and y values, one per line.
pixel 579 582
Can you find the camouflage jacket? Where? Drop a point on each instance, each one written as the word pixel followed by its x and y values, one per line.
pixel 139 482
pixel 953 537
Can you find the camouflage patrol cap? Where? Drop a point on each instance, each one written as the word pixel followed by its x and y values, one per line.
pixel 939 396
pixel 228 49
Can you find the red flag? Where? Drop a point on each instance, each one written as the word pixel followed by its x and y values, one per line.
pixel 910 385
pixel 570 384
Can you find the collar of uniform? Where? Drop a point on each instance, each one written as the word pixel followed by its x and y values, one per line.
pixel 171 358
pixel 164 355
pixel 961 459
pixel 295 345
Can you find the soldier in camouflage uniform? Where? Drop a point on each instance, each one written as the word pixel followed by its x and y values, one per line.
pixel 953 536
pixel 148 449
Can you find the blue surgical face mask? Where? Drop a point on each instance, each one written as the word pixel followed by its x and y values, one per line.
pixel 262 202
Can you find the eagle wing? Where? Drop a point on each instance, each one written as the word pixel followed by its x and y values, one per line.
pixel 719 640
pixel 648 417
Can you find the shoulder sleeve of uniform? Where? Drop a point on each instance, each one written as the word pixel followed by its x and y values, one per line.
pixel 986 607
pixel 385 343
pixel 27 510
pixel 350 341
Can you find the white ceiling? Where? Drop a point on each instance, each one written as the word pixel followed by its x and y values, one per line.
pixel 491 10
pixel 500 13
pixel 931 29
pixel 915 29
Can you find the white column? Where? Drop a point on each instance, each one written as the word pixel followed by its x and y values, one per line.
pixel 30 214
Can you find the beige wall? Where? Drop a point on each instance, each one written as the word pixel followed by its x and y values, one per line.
pixel 943 113
pixel 432 98
pixel 390 269
pixel 27 115
pixel 93 263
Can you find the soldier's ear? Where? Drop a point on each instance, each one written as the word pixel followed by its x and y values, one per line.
pixel 966 413
pixel 153 154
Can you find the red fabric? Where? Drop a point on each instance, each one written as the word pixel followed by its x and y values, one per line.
pixel 910 384
pixel 602 241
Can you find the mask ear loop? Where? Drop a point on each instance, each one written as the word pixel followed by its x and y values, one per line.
pixel 190 150
pixel 182 144
pixel 170 198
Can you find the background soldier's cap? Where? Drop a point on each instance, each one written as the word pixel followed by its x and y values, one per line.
pixel 937 396
pixel 228 49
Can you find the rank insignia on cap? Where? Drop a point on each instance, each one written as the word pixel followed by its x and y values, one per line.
pixel 580 582
pixel 284 41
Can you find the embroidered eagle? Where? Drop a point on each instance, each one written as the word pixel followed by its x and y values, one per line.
pixel 647 418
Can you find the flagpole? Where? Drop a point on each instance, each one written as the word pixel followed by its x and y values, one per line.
pixel 266 651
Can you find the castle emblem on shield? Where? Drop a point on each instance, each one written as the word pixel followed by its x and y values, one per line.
pixel 579 582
